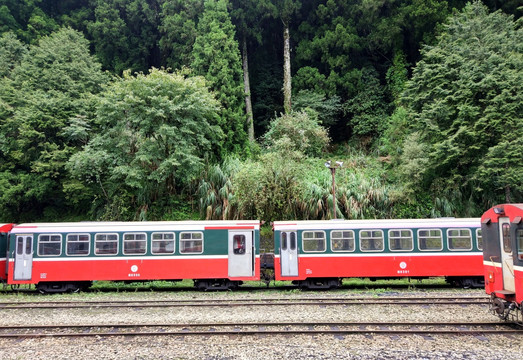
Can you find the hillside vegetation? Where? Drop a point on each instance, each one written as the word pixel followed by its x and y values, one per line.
pixel 228 109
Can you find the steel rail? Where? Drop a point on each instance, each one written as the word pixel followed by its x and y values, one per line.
pixel 247 302
pixel 240 329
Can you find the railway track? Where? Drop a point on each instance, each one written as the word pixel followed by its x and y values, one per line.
pixel 261 329
pixel 318 301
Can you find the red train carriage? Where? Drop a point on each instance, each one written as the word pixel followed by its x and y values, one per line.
pixel 318 254
pixel 4 232
pixel 59 257
pixel 502 227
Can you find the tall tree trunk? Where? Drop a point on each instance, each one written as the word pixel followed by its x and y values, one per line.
pixel 286 69
pixel 247 90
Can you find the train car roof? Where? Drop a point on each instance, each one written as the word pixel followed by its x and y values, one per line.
pixel 373 223
pixel 136 226
pixel 4 228
pixel 512 211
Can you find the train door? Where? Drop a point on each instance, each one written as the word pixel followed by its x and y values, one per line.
pixel 507 259
pixel 23 257
pixel 289 253
pixel 241 253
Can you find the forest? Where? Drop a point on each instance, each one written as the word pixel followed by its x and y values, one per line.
pixel 232 109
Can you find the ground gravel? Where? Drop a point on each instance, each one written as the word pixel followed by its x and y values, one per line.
pixel 254 346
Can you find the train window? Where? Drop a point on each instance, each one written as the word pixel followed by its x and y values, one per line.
pixel 106 244
pixel 162 243
pixel 371 240
pixel 479 239
pixel 49 245
pixel 430 240
pixel 238 244
pixel 342 240
pixel 284 241
pixel 77 244
pixel 519 238
pixel 459 239
pixel 292 245
pixel 28 245
pixel 191 242
pixel 134 243
pixel 401 240
pixel 313 241
pixel 19 245
pixel 507 247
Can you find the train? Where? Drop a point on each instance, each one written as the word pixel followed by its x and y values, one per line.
pixel 223 255
pixel 502 229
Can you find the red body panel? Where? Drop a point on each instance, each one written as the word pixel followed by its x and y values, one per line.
pixel 518 274
pixel 384 266
pixel 121 269
pixel 493 268
pixel 494 282
pixel 3 275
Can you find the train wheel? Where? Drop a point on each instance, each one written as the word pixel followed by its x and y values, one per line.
pixel 498 306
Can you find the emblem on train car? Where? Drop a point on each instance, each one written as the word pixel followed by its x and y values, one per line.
pixel 134 269
pixel 403 267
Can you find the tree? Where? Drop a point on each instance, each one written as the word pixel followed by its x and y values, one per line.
pixel 12 52
pixel 51 85
pixel 297 131
pixel 155 132
pixel 466 101
pixel 286 10
pixel 368 109
pixel 26 19
pixel 125 34
pixel 179 20
pixel 248 17
pixel 217 58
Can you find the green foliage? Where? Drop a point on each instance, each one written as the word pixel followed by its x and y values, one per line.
pixel 125 34
pixel 297 131
pixel 179 19
pixel 12 52
pixel 368 110
pixel 268 188
pixel 397 76
pixel 155 131
pixel 215 191
pixel 217 58
pixel 48 85
pixel 327 109
pixel 464 96
pixel 26 19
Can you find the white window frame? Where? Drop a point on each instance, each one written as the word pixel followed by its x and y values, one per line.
pixel 401 237
pixel 430 236
pixel 478 236
pixel 107 234
pixel 303 239
pixel 459 237
pixel 134 233
pixel 50 242
pixel 353 238
pixel 382 237
pixel 180 236
pixel 78 241
pixel 162 239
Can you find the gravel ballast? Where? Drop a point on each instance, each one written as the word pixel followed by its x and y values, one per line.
pixel 254 346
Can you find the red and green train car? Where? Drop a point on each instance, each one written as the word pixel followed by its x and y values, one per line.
pixel 4 233
pixel 502 227
pixel 318 254
pixel 59 257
